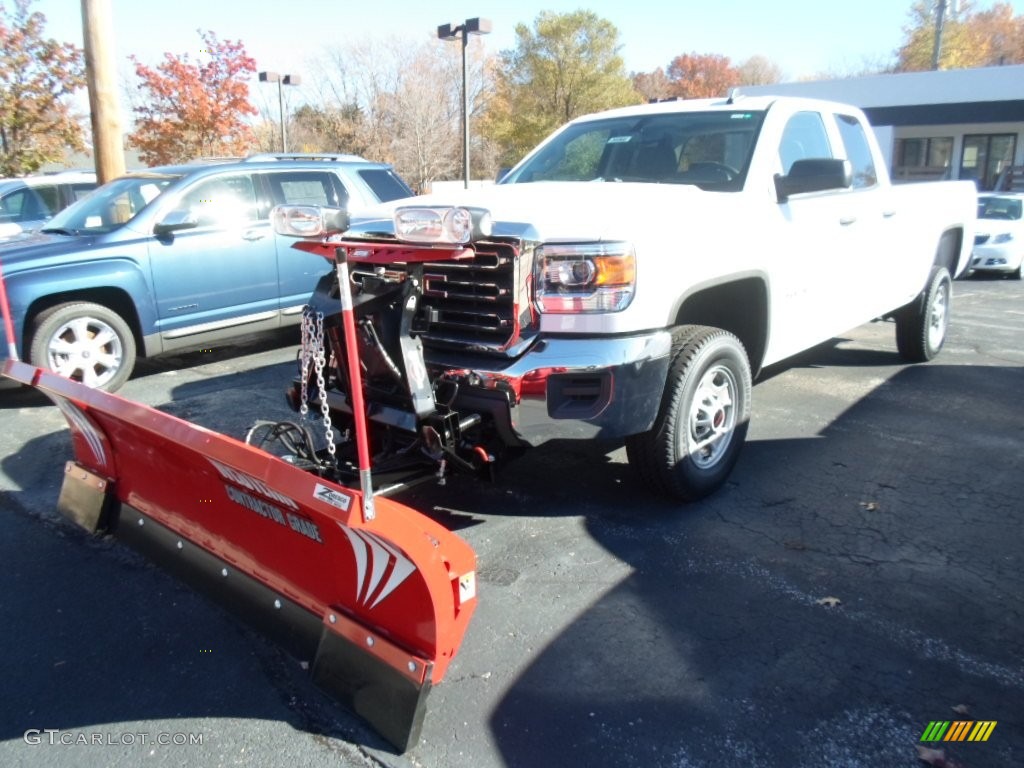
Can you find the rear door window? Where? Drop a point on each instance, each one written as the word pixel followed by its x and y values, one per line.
pixel 858 151
pixel 50 196
pixel 307 188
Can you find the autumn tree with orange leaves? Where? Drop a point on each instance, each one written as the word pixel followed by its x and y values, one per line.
pixel 701 75
pixel 37 75
pixel 195 108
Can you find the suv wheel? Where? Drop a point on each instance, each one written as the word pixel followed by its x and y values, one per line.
pixel 86 342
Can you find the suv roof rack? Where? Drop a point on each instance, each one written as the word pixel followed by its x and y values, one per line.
pixel 321 156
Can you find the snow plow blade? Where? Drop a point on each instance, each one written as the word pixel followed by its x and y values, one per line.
pixel 378 605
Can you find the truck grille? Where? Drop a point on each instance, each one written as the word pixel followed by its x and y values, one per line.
pixel 471 303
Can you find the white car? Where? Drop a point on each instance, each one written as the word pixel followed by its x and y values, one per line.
pixel 999 237
pixel 28 202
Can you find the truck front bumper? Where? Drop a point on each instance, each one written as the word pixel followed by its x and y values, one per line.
pixel 604 388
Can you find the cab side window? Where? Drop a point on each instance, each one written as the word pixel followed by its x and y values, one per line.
pixel 22 205
pixel 804 137
pixel 858 151
pixel 223 201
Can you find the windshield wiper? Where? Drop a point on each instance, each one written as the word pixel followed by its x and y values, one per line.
pixel 57 231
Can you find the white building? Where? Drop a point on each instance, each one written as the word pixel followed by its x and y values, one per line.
pixel 957 124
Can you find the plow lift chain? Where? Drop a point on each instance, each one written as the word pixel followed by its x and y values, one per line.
pixel 421 436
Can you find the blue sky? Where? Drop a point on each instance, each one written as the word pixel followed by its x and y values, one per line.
pixel 803 37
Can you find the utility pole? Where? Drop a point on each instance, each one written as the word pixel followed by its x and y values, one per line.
pixel 940 19
pixel 104 111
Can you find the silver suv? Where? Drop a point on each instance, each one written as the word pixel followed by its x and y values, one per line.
pixel 29 202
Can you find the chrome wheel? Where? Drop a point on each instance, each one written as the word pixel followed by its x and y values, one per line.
pixel 712 417
pixel 85 349
pixel 938 317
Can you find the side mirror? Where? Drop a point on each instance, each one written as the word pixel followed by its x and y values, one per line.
pixel 175 221
pixel 814 175
pixel 308 220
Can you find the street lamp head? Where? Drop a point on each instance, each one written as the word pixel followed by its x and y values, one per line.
pixel 292 80
pixel 268 77
pixel 478 26
pixel 449 31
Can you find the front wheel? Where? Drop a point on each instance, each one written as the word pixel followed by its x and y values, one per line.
pixel 702 422
pixel 86 342
pixel 921 325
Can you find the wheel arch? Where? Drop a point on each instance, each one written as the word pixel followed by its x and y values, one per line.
pixel 114 299
pixel 738 304
pixel 949 250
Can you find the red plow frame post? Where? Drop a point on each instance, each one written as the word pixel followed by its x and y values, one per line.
pixel 374 594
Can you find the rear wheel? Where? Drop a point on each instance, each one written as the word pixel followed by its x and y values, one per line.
pixel 921 325
pixel 86 342
pixel 702 422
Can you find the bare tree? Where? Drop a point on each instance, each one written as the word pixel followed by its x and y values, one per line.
pixel 408 102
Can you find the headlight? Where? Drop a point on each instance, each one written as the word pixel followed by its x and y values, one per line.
pixel 308 220
pixel 1005 237
pixel 585 277
pixel 441 226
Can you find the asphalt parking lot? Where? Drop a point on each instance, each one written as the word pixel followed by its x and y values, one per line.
pixel 861 576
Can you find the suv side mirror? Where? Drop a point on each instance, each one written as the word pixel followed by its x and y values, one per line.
pixel 176 221
pixel 814 175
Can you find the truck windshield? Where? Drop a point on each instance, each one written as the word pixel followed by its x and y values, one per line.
pixel 711 150
pixel 111 205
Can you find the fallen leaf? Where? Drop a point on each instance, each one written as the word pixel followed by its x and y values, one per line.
pixel 961 709
pixel 830 602
pixel 870 506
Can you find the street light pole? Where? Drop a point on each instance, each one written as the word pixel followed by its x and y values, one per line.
pixel 281 80
pixel 462 32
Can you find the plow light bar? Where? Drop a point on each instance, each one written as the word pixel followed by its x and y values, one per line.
pixel 442 226
pixel 308 220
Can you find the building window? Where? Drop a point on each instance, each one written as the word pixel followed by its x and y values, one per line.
pixel 985 156
pixel 924 158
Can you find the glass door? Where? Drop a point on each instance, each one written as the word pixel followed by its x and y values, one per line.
pixel 985 156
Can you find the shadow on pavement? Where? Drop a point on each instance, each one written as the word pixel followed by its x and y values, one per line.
pixel 716 650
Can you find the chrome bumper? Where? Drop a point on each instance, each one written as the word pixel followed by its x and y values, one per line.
pixel 569 388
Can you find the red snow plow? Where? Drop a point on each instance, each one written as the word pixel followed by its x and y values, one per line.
pixel 374 595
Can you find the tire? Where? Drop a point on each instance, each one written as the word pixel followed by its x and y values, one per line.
pixel 702 423
pixel 921 325
pixel 85 342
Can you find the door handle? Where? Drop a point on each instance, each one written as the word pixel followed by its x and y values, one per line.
pixel 847 220
pixel 253 235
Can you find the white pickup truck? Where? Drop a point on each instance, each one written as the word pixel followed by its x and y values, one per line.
pixel 630 277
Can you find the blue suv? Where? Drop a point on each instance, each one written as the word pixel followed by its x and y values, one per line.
pixel 174 258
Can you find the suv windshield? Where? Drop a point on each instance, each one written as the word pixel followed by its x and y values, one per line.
pixel 112 205
pixel 709 149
